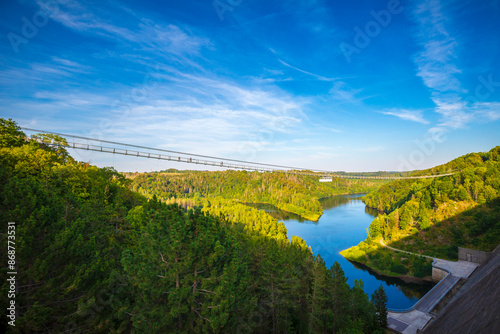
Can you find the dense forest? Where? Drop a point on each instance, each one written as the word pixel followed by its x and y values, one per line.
pixel 435 216
pixel 294 193
pixel 93 256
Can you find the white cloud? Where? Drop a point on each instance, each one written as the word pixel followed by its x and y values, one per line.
pixel 409 115
pixel 454 114
pixel 58 67
pixel 489 111
pixel 319 77
pixel 158 38
pixel 436 62
pixel 193 114
pixel 436 65
pixel 343 93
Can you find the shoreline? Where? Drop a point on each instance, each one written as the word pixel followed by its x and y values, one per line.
pixel 319 200
pixel 404 278
pixel 274 205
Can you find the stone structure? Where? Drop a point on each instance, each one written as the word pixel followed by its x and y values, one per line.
pixel 438 274
pixel 475 308
pixel 448 274
pixel 472 255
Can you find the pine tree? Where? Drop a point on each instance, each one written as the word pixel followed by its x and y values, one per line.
pixel 379 299
pixel 339 296
pixel 318 297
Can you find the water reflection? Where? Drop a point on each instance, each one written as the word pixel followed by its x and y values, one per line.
pixel 327 203
pixel 410 290
pixel 343 224
pixel 372 212
pixel 335 201
pixel 277 213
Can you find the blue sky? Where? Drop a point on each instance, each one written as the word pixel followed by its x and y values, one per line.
pixel 337 85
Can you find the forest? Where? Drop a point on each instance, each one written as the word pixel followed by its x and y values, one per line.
pixel 294 193
pixel 436 216
pixel 94 256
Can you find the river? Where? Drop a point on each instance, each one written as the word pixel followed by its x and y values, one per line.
pixel 343 224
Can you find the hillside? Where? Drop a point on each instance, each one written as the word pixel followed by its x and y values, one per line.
pixel 298 194
pixel 93 256
pixel 435 216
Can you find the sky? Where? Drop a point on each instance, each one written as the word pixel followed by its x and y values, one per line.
pixel 336 85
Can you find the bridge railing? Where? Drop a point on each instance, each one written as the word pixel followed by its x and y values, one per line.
pixel 207 160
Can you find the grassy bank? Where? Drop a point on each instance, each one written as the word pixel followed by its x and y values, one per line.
pixel 388 262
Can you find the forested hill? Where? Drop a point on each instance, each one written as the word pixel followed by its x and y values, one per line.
pixel 92 256
pixel 293 193
pixel 434 216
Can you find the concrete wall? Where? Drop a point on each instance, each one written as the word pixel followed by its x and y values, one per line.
pixel 438 274
pixel 472 255
pixel 446 298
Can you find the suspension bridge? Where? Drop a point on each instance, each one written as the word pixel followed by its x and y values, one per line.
pixel 112 147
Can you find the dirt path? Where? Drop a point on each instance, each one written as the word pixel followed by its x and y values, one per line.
pixel 402 251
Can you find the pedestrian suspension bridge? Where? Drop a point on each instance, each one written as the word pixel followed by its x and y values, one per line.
pixel 111 147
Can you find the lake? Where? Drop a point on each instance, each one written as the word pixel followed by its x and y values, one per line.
pixel 343 224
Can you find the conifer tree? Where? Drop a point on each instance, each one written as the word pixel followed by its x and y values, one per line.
pixel 379 299
pixel 339 296
pixel 318 297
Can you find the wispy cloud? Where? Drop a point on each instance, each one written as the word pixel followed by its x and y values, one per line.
pixel 436 65
pixel 319 77
pixel 194 113
pixel 58 67
pixel 188 107
pixel 487 111
pixel 454 113
pixel 342 92
pixel 160 38
pixel 53 70
pixel 408 115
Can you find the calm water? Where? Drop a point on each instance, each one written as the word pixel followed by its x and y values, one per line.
pixel 343 224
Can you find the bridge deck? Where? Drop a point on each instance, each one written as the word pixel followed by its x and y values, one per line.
pixel 192 158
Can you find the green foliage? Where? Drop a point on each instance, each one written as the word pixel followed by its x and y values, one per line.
pixel 398 268
pixel 58 143
pixel 298 194
pixel 10 134
pixel 253 221
pixel 379 299
pixel 93 256
pixel 197 262
pixel 388 262
pixel 437 215
pixel 69 223
pixel 422 267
